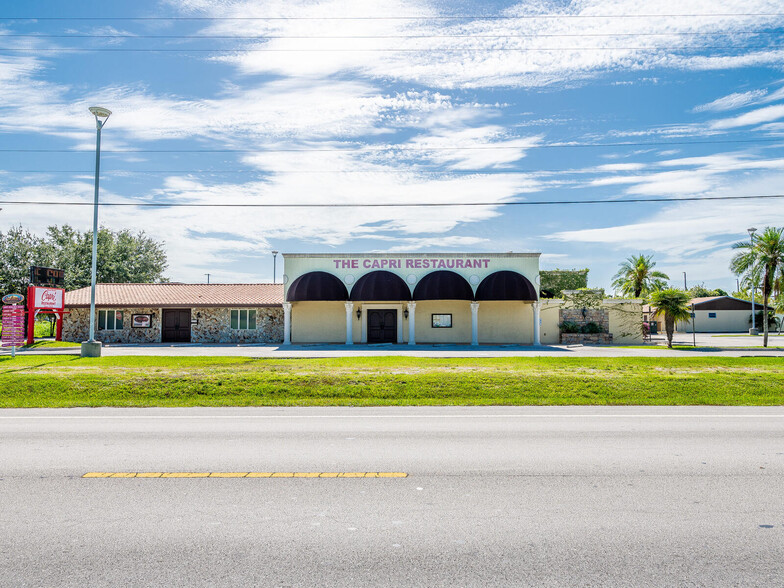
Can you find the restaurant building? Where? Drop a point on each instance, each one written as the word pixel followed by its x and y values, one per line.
pixel 177 313
pixel 458 298
pixel 366 298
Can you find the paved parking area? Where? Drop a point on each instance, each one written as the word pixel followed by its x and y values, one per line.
pixel 735 345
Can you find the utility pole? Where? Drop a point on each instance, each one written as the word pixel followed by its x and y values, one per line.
pixel 753 330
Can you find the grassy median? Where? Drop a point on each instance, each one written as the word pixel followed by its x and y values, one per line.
pixel 60 381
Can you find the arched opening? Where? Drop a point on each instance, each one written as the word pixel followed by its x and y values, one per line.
pixel 316 286
pixel 506 285
pixel 443 285
pixel 380 285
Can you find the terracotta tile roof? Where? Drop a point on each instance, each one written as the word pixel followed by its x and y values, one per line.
pixel 172 295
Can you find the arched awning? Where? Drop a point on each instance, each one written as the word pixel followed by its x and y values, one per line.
pixel 506 285
pixel 380 285
pixel 316 286
pixel 443 285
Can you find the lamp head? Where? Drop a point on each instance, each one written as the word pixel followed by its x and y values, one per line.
pixel 100 112
pixel 752 230
pixel 274 252
pixel 101 115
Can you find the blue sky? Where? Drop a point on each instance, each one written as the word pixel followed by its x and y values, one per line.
pixel 445 102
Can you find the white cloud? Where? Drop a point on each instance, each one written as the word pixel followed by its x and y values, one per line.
pixel 754 117
pixel 498 52
pixel 694 233
pixel 731 101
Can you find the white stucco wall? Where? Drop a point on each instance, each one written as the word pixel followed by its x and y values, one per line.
pixel 726 321
pixel 625 320
pixel 411 267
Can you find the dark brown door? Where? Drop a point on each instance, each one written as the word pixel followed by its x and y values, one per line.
pixel 382 326
pixel 176 325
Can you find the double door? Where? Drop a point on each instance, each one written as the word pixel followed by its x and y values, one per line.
pixel 382 326
pixel 176 325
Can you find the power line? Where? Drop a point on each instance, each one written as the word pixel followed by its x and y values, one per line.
pixel 387 205
pixel 485 172
pixel 376 149
pixel 420 36
pixel 381 49
pixel 396 17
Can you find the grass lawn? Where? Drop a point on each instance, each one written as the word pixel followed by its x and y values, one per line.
pixel 51 344
pixel 59 381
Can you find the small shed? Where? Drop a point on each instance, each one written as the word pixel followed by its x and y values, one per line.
pixel 720 314
pixel 177 313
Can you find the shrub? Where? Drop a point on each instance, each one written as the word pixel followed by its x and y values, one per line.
pixel 592 328
pixel 569 327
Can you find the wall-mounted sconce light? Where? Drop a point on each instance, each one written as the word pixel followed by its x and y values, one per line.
pixel 359 313
pixel 405 313
pixel 198 316
pixel 585 312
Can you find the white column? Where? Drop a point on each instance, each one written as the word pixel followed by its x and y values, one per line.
pixel 474 323
pixel 349 323
pixel 287 323
pixel 537 325
pixel 412 323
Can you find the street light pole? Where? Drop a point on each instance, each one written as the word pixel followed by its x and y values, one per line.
pixel 753 330
pixel 274 265
pixel 91 347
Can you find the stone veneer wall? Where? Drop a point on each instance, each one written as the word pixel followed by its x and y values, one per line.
pixel 600 316
pixel 213 326
pixel 586 338
pixel 76 327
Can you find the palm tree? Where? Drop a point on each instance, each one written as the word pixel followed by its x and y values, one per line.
pixel 637 277
pixel 762 256
pixel 674 305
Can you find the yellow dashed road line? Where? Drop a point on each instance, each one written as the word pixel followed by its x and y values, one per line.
pixel 245 475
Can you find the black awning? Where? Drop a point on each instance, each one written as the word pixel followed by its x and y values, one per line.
pixel 506 285
pixel 380 285
pixel 443 285
pixel 316 286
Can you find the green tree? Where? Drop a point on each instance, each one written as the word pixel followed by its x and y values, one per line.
pixel 123 256
pixel 762 257
pixel 701 291
pixel 20 249
pixel 637 277
pixel 674 305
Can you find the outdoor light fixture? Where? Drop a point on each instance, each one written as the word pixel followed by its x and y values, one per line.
pixel 405 313
pixel 359 313
pixel 274 263
pixel 92 348
pixel 585 312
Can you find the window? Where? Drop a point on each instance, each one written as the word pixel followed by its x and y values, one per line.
pixel 441 321
pixel 243 319
pixel 711 315
pixel 110 320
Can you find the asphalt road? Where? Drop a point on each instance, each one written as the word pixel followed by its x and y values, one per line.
pixel 589 496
